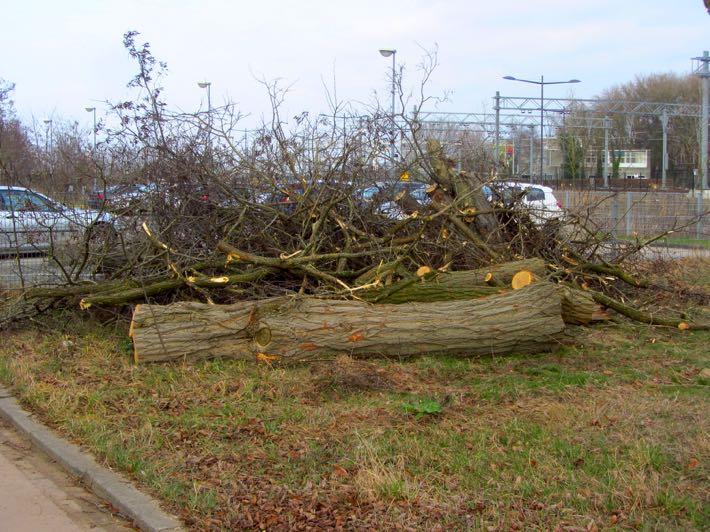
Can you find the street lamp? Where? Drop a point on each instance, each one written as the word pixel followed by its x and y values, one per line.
pixel 48 144
pixel 48 135
pixel 93 110
pixel 208 85
pixel 542 84
pixel 391 53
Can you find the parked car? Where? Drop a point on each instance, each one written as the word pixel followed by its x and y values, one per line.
pixel 32 222
pixel 120 199
pixel 382 196
pixel 538 200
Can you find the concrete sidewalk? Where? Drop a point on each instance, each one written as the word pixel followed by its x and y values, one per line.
pixel 36 495
pixel 141 510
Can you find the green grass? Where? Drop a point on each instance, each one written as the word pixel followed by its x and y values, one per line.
pixel 612 431
pixel 617 421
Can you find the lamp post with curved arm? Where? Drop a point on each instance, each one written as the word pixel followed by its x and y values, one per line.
pixel 93 110
pixel 542 84
pixel 208 85
pixel 392 53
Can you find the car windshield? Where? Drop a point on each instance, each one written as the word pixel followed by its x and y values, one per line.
pixel 418 192
pixel 535 194
pixel 388 191
pixel 505 194
pixel 26 200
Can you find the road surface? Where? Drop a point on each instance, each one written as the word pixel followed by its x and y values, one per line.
pixel 37 496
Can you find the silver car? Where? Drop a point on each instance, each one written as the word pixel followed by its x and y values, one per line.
pixel 31 222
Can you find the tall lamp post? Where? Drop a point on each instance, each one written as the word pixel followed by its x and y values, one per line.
pixel 542 84
pixel 392 53
pixel 93 110
pixel 48 141
pixel 208 85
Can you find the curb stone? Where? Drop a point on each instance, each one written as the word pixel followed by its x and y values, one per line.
pixel 142 510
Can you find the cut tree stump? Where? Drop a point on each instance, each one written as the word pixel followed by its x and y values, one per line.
pixel 299 329
pixel 522 279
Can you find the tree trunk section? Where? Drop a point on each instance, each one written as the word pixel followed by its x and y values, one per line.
pixel 298 329
pixel 445 286
pixel 578 308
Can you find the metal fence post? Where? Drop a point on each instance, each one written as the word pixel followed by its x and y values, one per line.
pixel 496 155
pixel 628 214
pixel 698 213
pixel 614 215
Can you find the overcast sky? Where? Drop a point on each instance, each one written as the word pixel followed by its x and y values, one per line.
pixel 65 55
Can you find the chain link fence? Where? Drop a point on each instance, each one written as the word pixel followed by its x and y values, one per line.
pixel 633 214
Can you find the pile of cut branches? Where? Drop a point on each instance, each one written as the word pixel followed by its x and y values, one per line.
pixel 313 242
pixel 317 268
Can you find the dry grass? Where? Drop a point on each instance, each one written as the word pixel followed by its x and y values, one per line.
pixel 613 432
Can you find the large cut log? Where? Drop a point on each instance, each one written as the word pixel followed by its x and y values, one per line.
pixel 578 308
pixel 444 286
pixel 294 329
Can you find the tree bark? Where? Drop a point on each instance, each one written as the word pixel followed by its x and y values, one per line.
pixel 578 308
pixel 297 329
pixel 444 286
pixel 469 195
pixel 124 296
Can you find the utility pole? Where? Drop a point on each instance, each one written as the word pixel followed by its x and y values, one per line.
pixel 208 85
pixel 93 110
pixel 703 72
pixel 542 129
pixel 542 84
pixel 48 146
pixel 530 152
pixel 393 149
pixel 607 124
pixel 664 162
pixel 496 155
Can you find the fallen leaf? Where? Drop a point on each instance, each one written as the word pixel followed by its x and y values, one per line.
pixel 265 357
pixel 693 463
pixel 340 471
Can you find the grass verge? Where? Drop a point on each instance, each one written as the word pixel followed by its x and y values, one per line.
pixel 610 433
